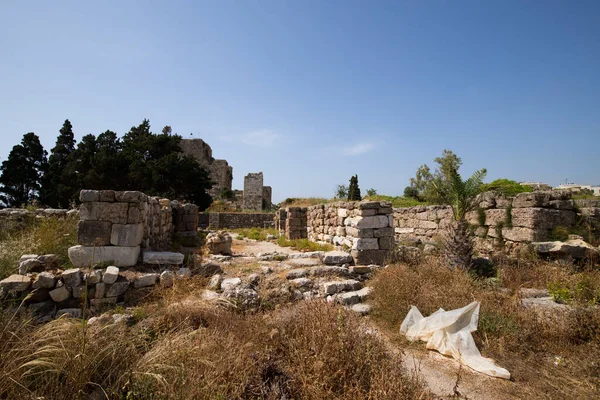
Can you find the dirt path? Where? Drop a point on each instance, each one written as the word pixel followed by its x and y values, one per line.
pixel 251 247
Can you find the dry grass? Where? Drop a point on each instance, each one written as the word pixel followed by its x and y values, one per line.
pixel 183 348
pixel 304 201
pixel 255 233
pixel 524 342
pixel 304 244
pixel 46 236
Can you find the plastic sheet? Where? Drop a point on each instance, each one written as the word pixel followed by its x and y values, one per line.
pixel 449 332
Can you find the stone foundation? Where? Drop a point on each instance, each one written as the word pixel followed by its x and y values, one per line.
pixel 240 220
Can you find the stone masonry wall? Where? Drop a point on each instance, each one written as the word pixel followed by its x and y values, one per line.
pixel 240 220
pixel 528 217
pixel 253 191
pixel 366 228
pixel 116 226
pixel 296 223
pixel 220 171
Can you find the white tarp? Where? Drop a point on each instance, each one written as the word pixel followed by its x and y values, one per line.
pixel 449 332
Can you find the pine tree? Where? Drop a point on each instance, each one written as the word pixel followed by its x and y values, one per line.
pixel 58 186
pixel 21 174
pixel 354 190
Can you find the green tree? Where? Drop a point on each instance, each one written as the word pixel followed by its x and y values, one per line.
pixel 58 186
pixel 341 192
pixel 425 181
pixel 411 192
pixel 461 196
pixel 371 192
pixel 354 190
pixel 22 173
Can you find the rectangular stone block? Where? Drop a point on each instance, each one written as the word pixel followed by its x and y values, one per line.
pixel 93 233
pixel 386 243
pixel 365 244
pixel 134 215
pixel 383 232
pixel 542 218
pixel 367 257
pixel 86 256
pixel 86 196
pixel 359 233
pixel 520 234
pixel 494 217
pixel 127 235
pixel 98 211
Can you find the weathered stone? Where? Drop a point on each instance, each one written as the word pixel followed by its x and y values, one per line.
pixel 374 222
pixel 296 273
pixel 110 275
pixel 72 277
pixel 17 283
pixel 79 292
pixel 134 215
pixel 162 258
pixel 577 249
pixel 350 298
pixel 209 295
pixel 215 282
pixel 97 303
pixel 308 254
pixel 87 196
pixel 336 258
pixel 386 243
pixel 31 265
pixel 219 243
pixel 60 294
pixel 329 270
pixel 49 261
pixel 365 244
pixel 302 283
pixel 44 280
pixel 145 280
pixel 107 196
pixel 98 211
pixel 370 256
pixel 533 199
pixel 130 197
pixel 93 277
pixel 184 273
pixel 166 279
pixel 430 249
pixel 127 235
pixel 83 256
pixel 230 284
pixel 383 232
pixel 542 218
pixel 519 234
pixel 100 290
pixel 340 286
pixel 253 279
pixel 117 289
pixel 361 308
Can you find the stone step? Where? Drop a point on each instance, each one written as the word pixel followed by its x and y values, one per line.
pixel 318 271
pixel 351 298
pixel 307 254
pixel 334 287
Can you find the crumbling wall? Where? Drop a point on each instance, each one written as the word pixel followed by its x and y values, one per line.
pixel 365 228
pixel 253 191
pixel 240 220
pixel 116 226
pixel 498 220
pixel 221 173
pixel 296 223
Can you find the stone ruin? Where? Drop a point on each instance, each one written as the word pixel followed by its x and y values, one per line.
pixel 220 171
pixel 256 196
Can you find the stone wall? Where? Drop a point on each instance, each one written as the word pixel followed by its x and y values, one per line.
pixel 499 220
pixel 116 226
pixel 295 223
pixel 280 221
pixel 220 171
pixel 365 228
pixel 240 220
pixel 20 218
pixel 253 191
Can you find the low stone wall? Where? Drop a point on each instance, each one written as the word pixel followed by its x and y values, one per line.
pixel 280 220
pixel 20 218
pixel 526 218
pixel 365 228
pixel 116 226
pixel 296 223
pixel 240 220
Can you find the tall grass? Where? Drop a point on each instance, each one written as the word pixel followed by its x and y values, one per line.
pixel 255 233
pixel 182 348
pixel 44 236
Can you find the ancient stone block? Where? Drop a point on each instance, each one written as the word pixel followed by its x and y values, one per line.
pixel 107 196
pixel 162 258
pixel 86 196
pixel 366 257
pixel 60 294
pixel 72 277
pixel 520 234
pixel 365 244
pixel 98 211
pixel 533 199
pixel 542 218
pixel 145 280
pixel 93 233
pixel 117 288
pixel 83 256
pixel 15 282
pixel 127 235
pixel 386 243
pixel 383 232
pixel 494 217
pixel 130 197
pixel 44 280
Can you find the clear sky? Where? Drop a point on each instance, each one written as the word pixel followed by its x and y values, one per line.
pixel 312 92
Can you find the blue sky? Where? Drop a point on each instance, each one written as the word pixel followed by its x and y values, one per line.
pixel 312 92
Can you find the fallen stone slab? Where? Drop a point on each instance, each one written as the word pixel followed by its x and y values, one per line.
pixel 230 284
pixel 361 308
pixel 85 256
pixel 351 298
pixel 145 280
pixel 307 254
pixel 336 258
pixel 162 258
pixel 16 282
pixel 577 249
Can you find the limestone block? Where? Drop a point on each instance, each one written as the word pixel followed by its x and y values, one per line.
pixel 60 294
pixel 342 212
pixel 542 218
pixel 48 261
pixel 72 277
pixel 386 243
pixel 96 303
pixel 134 216
pixel 162 258
pixel 340 231
pixel 336 258
pixel 87 196
pixel 367 257
pixel 44 280
pixel 83 256
pixel 494 217
pixel 110 275
pixel 365 244
pixel 383 232
pixel 364 205
pixel 127 235
pixel 79 292
pixel 166 279
pixel 98 211
pixel 130 197
pixel 93 277
pixel 230 283
pixel 334 287
pixel 15 282
pixel 184 273
pixel 359 233
pixel 117 289
pixel 533 199
pixel 145 280
pixel 29 265
pixel 93 233
pixel 404 231
pixel 520 234
pixel 107 195
pixel 100 290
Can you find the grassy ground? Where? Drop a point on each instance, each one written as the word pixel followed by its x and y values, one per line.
pixel 556 355
pixel 303 244
pixel 181 348
pixel 255 233
pixel 45 236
